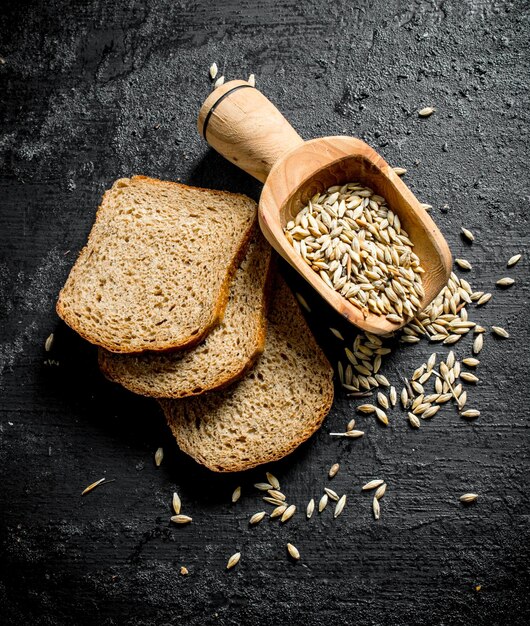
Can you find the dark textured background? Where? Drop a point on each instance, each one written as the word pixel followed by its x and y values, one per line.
pixel 92 91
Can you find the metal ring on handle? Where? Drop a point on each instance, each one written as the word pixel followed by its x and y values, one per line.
pixel 214 105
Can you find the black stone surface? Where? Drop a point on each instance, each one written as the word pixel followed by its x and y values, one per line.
pixel 92 91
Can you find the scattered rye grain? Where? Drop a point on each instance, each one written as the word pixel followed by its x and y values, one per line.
pixel 418 388
pixel 513 260
pixel 48 344
pixel 184 571
pixel 366 408
pixel 337 333
pixel 383 400
pixel 382 380
pixel 92 486
pixel 426 111
pixel 505 282
pixel 413 420
pixel 233 560
pixel 220 81
pixel 478 343
pixel 236 494
pixel 380 492
pixel 272 480
pixel 500 332
pixel 351 425
pixel 355 393
pixel 381 416
pixel 323 503
pixel 409 339
pixel 470 413
pixel 181 519
pixel 373 484
pixel 274 493
pixel 463 264
pixel 257 517
pixel 251 80
pixel 437 337
pixel 332 494
pixel 333 470
pixel 310 508
pixel 469 377
pixel 430 412
pixel 468 234
pixel 339 507
pixel 468 497
pixel 484 299
pixel 376 508
pixel 431 361
pixel 424 377
pixel 470 361
pixel 417 401
pixel 177 504
pixel 159 456
pixel 421 408
pixel 340 371
pixel 348 374
pixel 278 511
pixel 399 170
pixel 351 434
pixel 293 552
pixel 263 486
pixel 213 70
pixel 432 397
pixel 275 501
pixel 288 513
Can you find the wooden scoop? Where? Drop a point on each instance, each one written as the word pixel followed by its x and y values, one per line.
pixel 246 128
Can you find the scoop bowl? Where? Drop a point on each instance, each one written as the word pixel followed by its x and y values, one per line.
pixel 245 127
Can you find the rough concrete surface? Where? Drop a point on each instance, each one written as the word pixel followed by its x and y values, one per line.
pixel 92 91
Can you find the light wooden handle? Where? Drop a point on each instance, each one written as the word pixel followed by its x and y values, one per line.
pixel 241 124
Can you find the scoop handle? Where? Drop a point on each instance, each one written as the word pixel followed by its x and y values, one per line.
pixel 240 123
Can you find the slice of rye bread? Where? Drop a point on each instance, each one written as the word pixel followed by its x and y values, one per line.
pixel 268 413
pixel 156 271
pixel 226 354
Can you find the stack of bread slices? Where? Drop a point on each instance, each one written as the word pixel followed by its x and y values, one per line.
pixel 176 287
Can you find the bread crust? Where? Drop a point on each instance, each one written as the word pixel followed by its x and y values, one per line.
pixel 220 305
